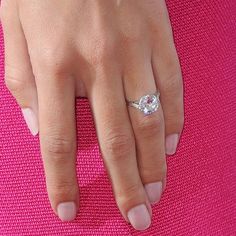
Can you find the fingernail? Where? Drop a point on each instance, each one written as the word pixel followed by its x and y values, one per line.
pixel 139 217
pixel 67 211
pixel 31 120
pixel 171 143
pixel 154 191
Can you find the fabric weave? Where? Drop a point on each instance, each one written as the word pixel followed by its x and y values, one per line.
pixel 201 190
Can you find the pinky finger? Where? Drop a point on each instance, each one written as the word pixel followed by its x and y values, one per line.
pixel 19 77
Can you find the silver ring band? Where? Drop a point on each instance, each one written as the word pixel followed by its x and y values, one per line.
pixel 147 104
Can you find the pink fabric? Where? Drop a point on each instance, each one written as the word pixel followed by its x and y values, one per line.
pixel 201 191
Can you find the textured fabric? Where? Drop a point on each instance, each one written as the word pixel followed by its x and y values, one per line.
pixel 201 191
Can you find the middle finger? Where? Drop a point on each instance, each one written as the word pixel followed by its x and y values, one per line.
pixel 118 147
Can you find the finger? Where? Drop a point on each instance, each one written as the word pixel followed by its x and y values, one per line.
pixel 118 147
pixel 148 129
pixel 168 76
pixel 18 72
pixel 58 142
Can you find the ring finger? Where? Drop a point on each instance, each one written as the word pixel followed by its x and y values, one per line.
pixel 118 148
pixel 148 129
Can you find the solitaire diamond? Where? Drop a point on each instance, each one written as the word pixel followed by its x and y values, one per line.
pixel 148 104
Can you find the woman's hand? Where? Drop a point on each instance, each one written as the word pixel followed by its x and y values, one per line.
pixel 108 51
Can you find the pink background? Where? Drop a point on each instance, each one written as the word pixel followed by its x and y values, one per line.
pixel 201 191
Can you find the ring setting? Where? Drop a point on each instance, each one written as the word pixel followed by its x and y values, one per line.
pixel 147 104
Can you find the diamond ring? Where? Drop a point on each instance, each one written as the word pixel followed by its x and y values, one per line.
pixel 147 104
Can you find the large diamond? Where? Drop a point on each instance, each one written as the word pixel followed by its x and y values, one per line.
pixel 148 104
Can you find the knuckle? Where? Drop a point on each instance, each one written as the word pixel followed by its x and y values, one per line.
pixel 150 125
pixel 154 172
pixel 18 81
pixel 102 51
pixel 56 146
pixel 173 85
pixel 131 34
pixel 174 119
pixel 174 109
pixel 52 60
pixel 128 193
pixel 15 85
pixel 131 39
pixel 118 145
pixel 62 189
pixel 49 64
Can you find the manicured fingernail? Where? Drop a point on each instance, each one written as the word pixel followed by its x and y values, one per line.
pixel 67 211
pixel 171 143
pixel 139 217
pixel 154 191
pixel 31 120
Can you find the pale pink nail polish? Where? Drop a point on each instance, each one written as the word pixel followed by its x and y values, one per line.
pixel 154 191
pixel 171 143
pixel 31 120
pixel 139 217
pixel 67 211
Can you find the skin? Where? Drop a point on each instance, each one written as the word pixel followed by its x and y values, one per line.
pixel 107 51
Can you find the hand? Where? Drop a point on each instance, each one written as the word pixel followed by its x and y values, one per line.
pixel 108 51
